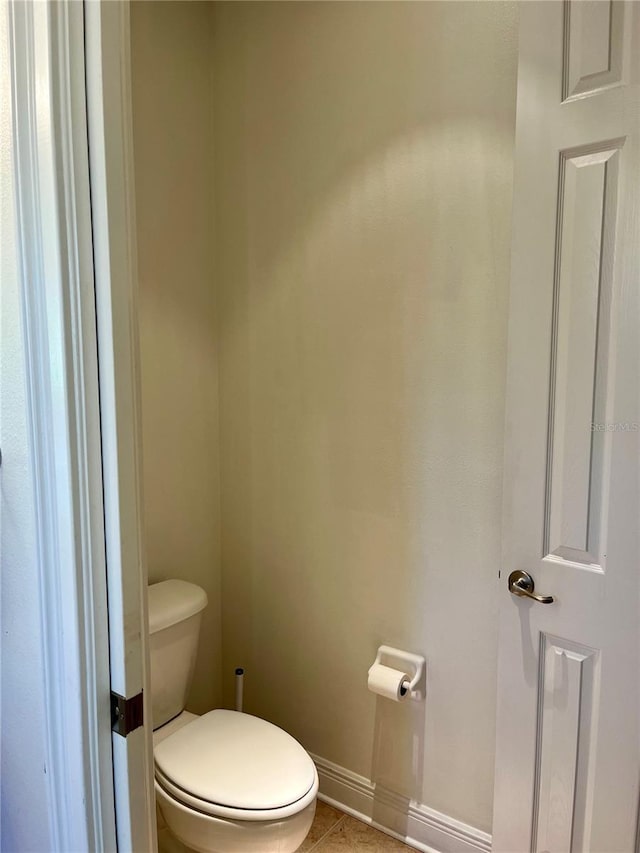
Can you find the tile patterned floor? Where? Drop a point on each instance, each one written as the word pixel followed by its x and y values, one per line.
pixel 335 832
pixel 332 832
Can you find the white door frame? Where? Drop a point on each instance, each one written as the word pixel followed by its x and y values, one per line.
pixel 55 258
pixel 107 40
pixel 84 434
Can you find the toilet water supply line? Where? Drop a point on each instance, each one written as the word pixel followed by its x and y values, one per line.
pixel 239 687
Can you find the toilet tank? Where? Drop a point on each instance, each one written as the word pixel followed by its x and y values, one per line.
pixel 175 608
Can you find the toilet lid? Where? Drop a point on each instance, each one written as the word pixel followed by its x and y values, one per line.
pixel 236 760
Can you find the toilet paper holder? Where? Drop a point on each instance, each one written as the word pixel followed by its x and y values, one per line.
pixel 413 665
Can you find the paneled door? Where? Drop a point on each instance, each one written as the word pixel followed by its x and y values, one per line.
pixel 568 733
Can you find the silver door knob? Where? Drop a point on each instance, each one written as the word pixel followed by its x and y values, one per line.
pixel 521 583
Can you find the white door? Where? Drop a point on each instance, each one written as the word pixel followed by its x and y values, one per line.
pixel 568 757
pixel 106 39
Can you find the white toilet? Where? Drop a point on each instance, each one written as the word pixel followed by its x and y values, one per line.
pixel 226 782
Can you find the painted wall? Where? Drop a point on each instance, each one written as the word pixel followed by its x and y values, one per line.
pixel 24 789
pixel 171 74
pixel 363 160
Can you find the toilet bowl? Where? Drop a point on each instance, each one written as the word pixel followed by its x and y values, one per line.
pixel 226 782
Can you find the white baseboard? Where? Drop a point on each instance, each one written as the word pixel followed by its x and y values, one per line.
pixel 416 824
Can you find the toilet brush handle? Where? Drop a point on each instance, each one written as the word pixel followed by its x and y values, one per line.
pixel 239 688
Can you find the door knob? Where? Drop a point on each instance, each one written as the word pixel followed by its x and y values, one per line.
pixel 521 583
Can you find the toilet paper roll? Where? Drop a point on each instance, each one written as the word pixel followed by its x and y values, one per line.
pixel 387 682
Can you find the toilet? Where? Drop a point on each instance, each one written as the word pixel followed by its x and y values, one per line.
pixel 226 782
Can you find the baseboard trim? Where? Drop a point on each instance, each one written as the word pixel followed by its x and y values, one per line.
pixel 407 820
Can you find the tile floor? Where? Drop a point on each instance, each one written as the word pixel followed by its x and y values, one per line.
pixel 332 832
pixel 335 832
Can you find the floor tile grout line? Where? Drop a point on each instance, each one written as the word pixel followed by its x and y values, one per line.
pixel 328 833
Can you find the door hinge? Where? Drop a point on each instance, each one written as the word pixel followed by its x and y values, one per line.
pixel 126 714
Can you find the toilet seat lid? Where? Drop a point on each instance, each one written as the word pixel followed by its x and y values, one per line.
pixel 236 760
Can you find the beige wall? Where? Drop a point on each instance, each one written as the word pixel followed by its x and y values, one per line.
pixel 363 181
pixel 171 71
pixel 361 160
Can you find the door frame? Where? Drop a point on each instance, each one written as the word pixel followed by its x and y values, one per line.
pixel 76 254
pixel 110 127
pixel 55 263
